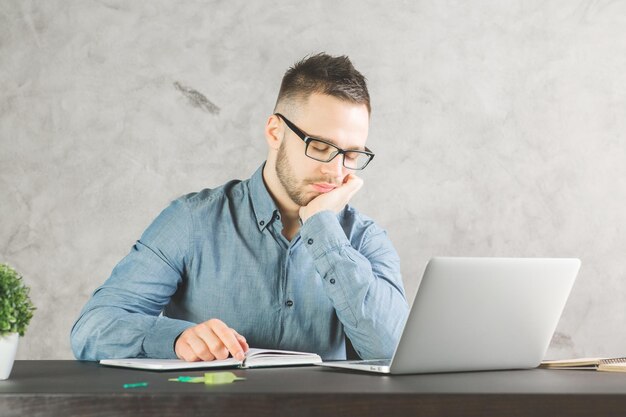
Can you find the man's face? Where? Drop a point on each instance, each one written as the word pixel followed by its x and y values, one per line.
pixel 323 117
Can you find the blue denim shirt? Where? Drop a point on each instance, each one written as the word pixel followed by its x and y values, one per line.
pixel 219 253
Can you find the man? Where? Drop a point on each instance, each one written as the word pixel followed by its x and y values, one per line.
pixel 277 261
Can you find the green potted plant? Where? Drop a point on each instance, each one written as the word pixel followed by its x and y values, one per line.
pixel 16 310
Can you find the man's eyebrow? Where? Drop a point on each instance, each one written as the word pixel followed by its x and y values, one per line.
pixel 352 148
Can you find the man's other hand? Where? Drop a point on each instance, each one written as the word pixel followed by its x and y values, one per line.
pixel 210 340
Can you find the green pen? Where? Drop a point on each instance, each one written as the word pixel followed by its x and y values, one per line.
pixel 136 385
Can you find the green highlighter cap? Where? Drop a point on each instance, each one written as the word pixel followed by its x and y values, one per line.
pixel 190 379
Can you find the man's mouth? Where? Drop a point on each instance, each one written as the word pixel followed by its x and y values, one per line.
pixel 323 187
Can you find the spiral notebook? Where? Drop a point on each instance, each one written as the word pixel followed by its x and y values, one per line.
pixel 594 364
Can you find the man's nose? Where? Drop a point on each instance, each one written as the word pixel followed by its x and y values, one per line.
pixel 334 167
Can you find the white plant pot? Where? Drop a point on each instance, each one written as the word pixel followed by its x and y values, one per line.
pixel 8 349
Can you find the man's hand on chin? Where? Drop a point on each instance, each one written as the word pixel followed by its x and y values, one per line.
pixel 334 200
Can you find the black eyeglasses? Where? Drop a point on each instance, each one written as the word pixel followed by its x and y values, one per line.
pixel 323 151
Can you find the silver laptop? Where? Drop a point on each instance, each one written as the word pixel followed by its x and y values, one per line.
pixel 475 314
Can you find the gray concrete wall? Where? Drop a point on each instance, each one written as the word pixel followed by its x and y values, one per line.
pixel 498 127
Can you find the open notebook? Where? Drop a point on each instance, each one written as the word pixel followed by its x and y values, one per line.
pixel 597 364
pixel 255 358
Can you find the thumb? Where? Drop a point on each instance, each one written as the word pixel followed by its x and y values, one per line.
pixel 301 212
pixel 353 183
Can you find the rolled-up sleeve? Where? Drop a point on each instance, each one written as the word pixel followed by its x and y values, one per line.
pixel 364 283
pixel 123 317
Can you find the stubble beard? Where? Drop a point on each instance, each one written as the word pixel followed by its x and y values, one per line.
pixel 288 179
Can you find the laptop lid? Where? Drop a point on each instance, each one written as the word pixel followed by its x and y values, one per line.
pixel 484 314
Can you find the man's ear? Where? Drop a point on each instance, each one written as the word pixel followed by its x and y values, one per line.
pixel 274 132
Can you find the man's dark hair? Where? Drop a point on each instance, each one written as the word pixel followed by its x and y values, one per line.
pixel 324 74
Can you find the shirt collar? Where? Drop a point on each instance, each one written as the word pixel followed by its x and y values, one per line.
pixel 263 205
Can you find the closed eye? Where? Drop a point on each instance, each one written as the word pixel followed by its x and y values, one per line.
pixel 319 146
pixel 353 155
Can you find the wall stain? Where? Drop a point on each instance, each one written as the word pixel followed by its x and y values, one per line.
pixel 197 99
pixel 562 340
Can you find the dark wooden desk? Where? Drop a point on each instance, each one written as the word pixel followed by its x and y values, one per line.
pixel 64 388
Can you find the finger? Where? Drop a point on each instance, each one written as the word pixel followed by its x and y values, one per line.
pixel 212 342
pixel 227 337
pixel 242 341
pixel 353 185
pixel 200 347
pixel 353 181
pixel 183 349
pixel 184 352
pixel 302 213
pixel 356 189
pixel 349 177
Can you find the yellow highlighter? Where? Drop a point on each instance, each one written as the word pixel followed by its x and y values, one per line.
pixel 211 378
pixel 217 378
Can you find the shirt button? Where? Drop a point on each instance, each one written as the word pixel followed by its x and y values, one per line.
pixel 261 222
pixel 277 217
pixel 310 241
pixel 289 303
pixel 332 280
